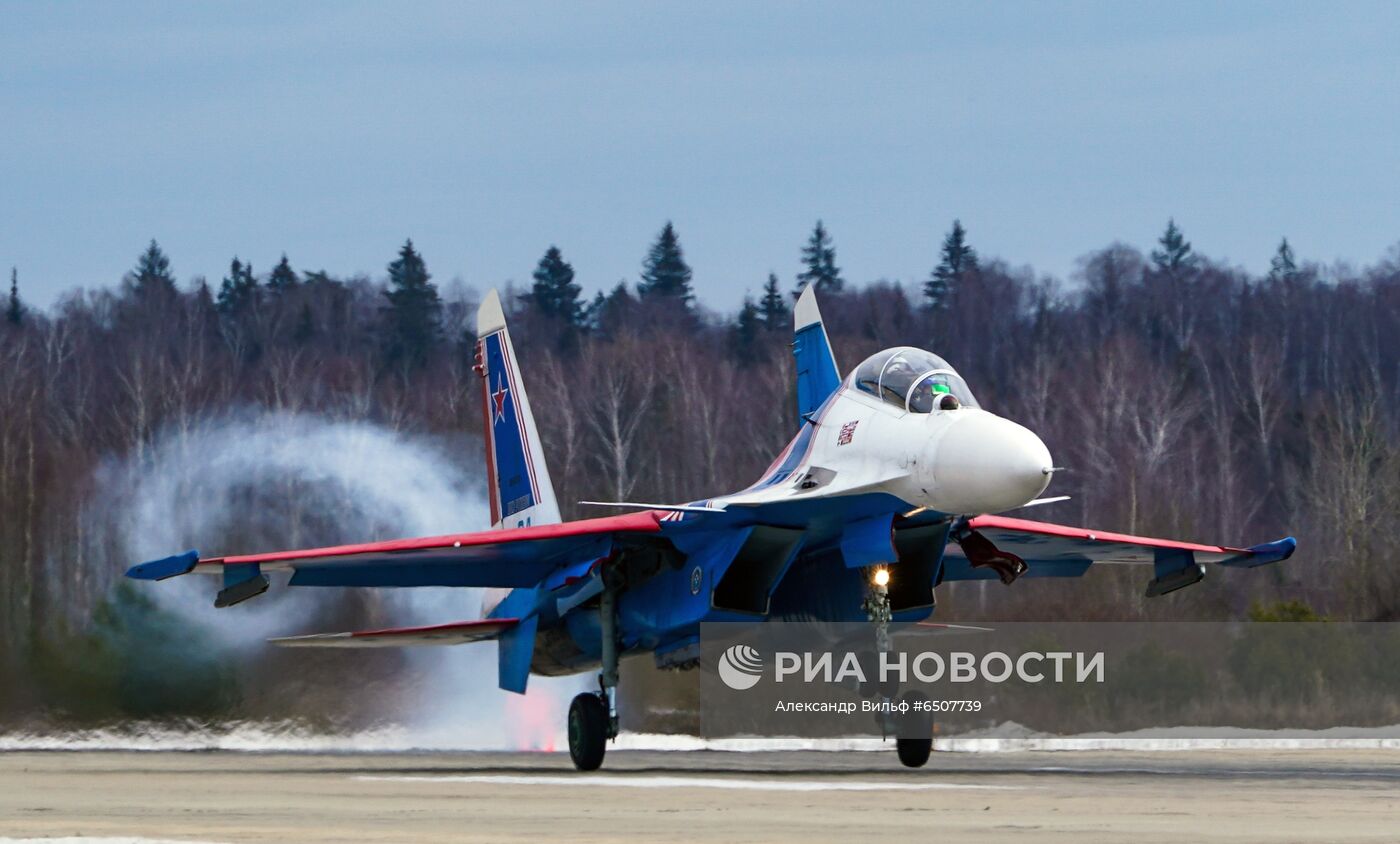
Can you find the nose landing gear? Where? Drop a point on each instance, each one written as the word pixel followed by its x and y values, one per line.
pixel 914 740
pixel 913 752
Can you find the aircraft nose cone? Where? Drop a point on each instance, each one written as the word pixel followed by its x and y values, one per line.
pixel 985 464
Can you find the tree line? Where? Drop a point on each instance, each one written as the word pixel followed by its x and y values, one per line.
pixel 1187 398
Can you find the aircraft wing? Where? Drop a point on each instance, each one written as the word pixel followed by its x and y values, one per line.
pixel 499 558
pixel 998 546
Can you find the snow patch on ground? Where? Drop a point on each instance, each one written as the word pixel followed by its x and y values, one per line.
pixel 1010 737
pixel 258 738
pixel 736 783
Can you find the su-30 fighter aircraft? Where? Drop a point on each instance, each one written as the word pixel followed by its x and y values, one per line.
pixel 886 491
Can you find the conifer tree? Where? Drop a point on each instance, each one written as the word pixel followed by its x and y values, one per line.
pixel 1283 267
pixel 1174 256
pixel 306 325
pixel 957 261
pixel 593 312
pixel 819 264
pixel 152 276
pixel 665 274
pixel 607 313
pixel 14 311
pixel 239 292
pixel 554 293
pixel 746 331
pixel 413 315
pixel 202 293
pixel 203 308
pixel 282 278
pixel 772 309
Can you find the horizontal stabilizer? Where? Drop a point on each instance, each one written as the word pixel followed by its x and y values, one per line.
pixel 454 633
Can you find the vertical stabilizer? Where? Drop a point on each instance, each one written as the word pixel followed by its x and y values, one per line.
pixel 518 479
pixel 817 376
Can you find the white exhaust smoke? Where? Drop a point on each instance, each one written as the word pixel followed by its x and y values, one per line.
pixel 283 480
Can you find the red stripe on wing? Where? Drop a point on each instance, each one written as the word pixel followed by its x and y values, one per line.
pixel 641 522
pixel 1047 529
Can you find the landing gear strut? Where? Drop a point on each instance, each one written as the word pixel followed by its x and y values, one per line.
pixel 913 752
pixel 593 717
pixel 877 608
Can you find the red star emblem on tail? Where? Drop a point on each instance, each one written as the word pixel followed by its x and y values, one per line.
pixel 499 397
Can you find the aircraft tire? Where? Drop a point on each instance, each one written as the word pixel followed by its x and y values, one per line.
pixel 913 752
pixel 588 732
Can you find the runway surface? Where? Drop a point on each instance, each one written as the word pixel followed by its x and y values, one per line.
pixel 1234 796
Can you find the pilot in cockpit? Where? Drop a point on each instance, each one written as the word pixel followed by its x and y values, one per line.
pixel 914 380
pixel 932 393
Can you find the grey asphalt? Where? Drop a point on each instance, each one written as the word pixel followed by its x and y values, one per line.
pixel 1235 796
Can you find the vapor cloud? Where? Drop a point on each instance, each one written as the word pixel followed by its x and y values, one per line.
pixel 253 481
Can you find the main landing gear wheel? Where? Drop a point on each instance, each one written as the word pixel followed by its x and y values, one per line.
pixel 916 727
pixel 913 752
pixel 588 732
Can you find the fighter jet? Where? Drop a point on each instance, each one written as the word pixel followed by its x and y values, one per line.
pixel 890 487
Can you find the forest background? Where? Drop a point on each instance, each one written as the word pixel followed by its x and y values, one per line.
pixel 1186 397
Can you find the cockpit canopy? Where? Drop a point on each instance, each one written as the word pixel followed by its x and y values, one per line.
pixel 915 380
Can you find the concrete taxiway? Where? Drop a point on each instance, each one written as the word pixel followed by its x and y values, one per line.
pixel 1202 796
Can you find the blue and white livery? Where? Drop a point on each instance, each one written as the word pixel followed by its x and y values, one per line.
pixel 518 476
pixel 890 487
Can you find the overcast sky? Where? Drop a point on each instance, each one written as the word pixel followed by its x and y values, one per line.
pixel 488 131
